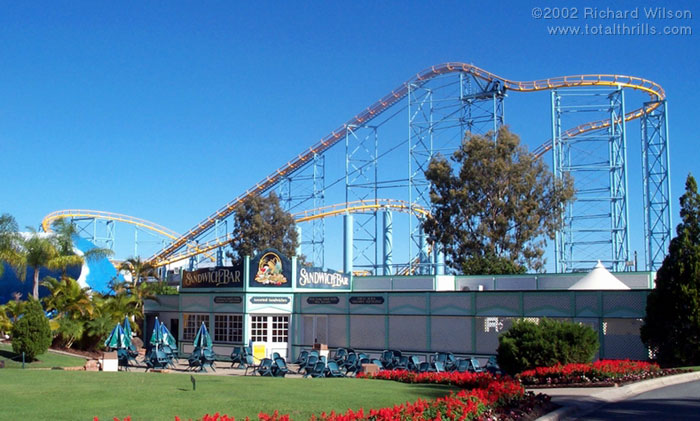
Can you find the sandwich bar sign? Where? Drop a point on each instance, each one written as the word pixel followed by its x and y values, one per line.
pixel 318 279
pixel 216 277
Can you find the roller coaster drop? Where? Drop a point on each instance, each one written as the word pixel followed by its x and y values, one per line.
pixel 442 103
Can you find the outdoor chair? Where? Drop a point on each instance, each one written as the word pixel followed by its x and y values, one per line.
pixel 332 370
pixel 123 358
pixel 462 365
pixel 439 367
pixel 450 362
pixel 474 365
pixel 249 363
pixel 362 358
pixel 310 362
pixel 194 361
pixel 396 356
pixel 170 354
pixel 340 355
pixel 439 357
pixel 378 363
pixel 492 366
pixel 157 360
pixel 208 358
pixel 301 358
pixel 413 363
pixel 318 370
pixel 387 359
pixel 353 364
pixel 265 367
pixel 350 363
pixel 401 363
pixel 275 355
pixel 425 367
pixel 133 352
pixel 279 367
pixel 237 356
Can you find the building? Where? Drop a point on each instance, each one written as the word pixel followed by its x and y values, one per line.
pixel 281 307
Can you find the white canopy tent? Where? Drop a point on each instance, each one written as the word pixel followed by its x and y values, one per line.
pixel 599 279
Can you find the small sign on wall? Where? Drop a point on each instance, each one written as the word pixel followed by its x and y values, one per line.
pixel 270 300
pixel 323 300
pixel 228 300
pixel 371 300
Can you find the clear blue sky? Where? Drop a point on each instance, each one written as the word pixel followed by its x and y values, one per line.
pixel 168 110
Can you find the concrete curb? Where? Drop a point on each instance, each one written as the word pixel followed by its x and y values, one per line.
pixel 605 397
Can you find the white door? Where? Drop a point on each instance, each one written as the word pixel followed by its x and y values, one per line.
pixel 271 331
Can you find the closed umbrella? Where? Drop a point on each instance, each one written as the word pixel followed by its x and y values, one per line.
pixel 156 335
pixel 117 339
pixel 127 327
pixel 202 339
pixel 167 338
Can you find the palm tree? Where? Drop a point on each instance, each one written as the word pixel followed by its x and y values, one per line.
pixel 10 241
pixel 63 240
pixel 39 251
pixel 138 269
pixel 68 298
pixel 54 251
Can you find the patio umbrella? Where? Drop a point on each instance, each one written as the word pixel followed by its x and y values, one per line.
pixel 167 338
pixel 202 339
pixel 156 335
pixel 127 327
pixel 117 339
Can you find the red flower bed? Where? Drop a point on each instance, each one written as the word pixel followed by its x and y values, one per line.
pixel 465 380
pixel 603 371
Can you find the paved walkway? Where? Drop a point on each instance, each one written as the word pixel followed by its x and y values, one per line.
pixel 221 368
pixel 577 402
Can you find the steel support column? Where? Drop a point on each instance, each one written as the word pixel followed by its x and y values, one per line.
pixel 656 179
pixel 595 226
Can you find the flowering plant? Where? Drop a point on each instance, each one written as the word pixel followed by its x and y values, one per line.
pixel 603 371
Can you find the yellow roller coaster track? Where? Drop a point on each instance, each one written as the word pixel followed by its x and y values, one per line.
pixel 654 90
pixel 141 223
pixel 360 206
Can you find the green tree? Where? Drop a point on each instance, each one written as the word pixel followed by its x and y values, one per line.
pixel 31 334
pixel 260 223
pixel 64 232
pixel 672 323
pixel 39 250
pixel 527 345
pixel 139 270
pixel 10 244
pixel 53 251
pixel 494 208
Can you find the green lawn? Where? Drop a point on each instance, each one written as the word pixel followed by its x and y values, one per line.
pixel 47 360
pixel 66 395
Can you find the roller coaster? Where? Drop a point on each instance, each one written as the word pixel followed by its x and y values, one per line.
pixel 438 106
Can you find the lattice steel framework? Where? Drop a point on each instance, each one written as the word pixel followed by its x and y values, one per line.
pixel 98 231
pixel 439 115
pixel 595 224
pixel 361 183
pixel 302 190
pixel 657 185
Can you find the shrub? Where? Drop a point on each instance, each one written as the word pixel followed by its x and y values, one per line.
pixel 527 345
pixel 31 334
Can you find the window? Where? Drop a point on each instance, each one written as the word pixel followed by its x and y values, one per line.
pixel 280 328
pixel 228 328
pixel 258 328
pixel 191 323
